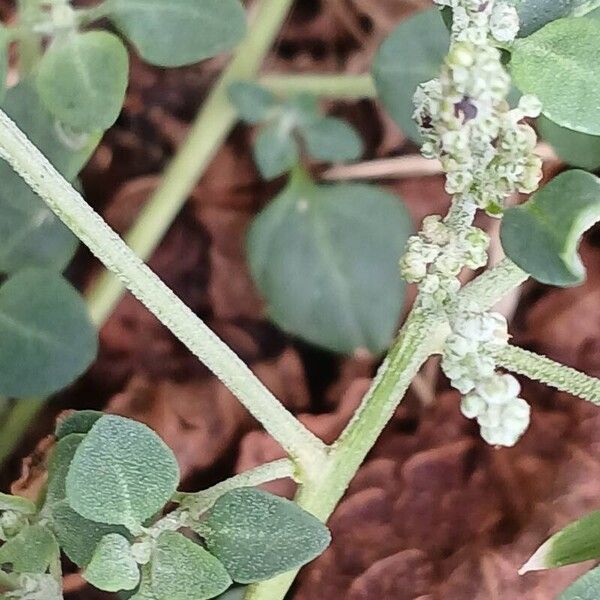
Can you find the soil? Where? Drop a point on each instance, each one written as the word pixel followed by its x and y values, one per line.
pixel 434 512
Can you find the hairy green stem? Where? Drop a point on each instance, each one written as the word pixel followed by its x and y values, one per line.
pixel 336 86
pixel 541 368
pixel 114 253
pixel 199 502
pixel 214 122
pixel 492 285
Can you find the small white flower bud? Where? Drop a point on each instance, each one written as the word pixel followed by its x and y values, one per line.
pixel 504 22
pixel 472 406
pixel 530 106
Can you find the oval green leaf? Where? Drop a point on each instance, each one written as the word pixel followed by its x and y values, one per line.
pixel 561 65
pixel 411 55
pixel 80 421
pixel 275 150
pixel 82 79
pixel 253 102
pixel 575 148
pixel 17 504
pixel 542 235
pixel 122 473
pixel 325 258
pixel 257 535
pixel 46 337
pixel 79 537
pixel 58 468
pixel 30 234
pixel 577 542
pixel 32 550
pixel 585 588
pixel 182 569
pixel 179 32
pixel 113 568
pixel 332 139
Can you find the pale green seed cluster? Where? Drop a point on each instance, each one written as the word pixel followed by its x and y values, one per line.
pixel 490 397
pixel 488 154
pixel 435 257
pixel 36 587
pixel 464 118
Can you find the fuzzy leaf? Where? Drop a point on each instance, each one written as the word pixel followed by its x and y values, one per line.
pixel 542 235
pixel 332 139
pixel 82 79
pixel 561 65
pixel 46 337
pixel 80 421
pixel 585 588
pixel 17 504
pixel 79 537
pixel 30 234
pixel 61 459
pixel 113 567
pixel 257 535
pixel 411 55
pixel 275 150
pixel 179 32
pixel 253 102
pixel 30 551
pixel 577 542
pixel 182 569
pixel 325 257
pixel 534 14
pixel 122 473
pixel 574 148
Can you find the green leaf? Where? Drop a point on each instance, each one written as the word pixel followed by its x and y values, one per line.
pixel 46 337
pixel 82 79
pixel 80 421
pixel 235 593
pixel 574 148
pixel 542 235
pixel 179 32
pixel 585 588
pixel 58 468
pixel 30 234
pixel 181 569
pixel 253 102
pixel 325 257
pixel 577 542
pixel 332 139
pixel 17 504
pixel 257 535
pixel 113 567
pixel 122 473
pixel 79 537
pixel 534 14
pixel 275 150
pixel 32 550
pixel 561 65
pixel 411 55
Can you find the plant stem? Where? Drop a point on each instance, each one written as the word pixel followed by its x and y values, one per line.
pixel 418 338
pixel 104 243
pixel 541 368
pixel 492 285
pixel 208 132
pixel 214 122
pixel 200 502
pixel 15 423
pixel 336 86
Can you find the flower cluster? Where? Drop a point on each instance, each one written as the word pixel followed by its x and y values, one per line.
pixel 11 522
pixel 466 122
pixel 435 257
pixel 488 396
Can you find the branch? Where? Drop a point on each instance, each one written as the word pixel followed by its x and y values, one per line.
pixel 199 502
pixel 145 285
pixel 551 373
pixel 335 86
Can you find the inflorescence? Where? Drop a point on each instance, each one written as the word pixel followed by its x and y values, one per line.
pixel 488 154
